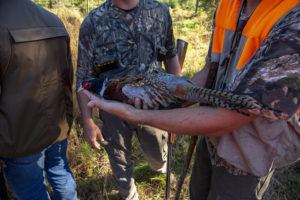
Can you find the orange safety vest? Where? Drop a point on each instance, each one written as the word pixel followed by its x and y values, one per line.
pixel 257 28
pixel 255 31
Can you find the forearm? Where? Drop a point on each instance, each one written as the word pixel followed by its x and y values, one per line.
pixel 206 121
pixel 90 130
pixel 86 112
pixel 203 120
pixel 200 77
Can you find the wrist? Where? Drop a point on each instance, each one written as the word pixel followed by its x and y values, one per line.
pixel 139 116
pixel 87 122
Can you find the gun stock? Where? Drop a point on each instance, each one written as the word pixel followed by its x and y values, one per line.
pixel 181 51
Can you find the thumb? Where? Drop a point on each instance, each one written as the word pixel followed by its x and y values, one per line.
pixel 92 103
pixel 92 99
pixel 89 94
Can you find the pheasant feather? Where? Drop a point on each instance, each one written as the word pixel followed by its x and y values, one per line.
pixel 166 91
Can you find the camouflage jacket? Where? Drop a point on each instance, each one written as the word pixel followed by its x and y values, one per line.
pixel 271 77
pixel 114 42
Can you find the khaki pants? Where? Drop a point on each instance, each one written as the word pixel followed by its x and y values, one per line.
pixel 119 133
pixel 215 183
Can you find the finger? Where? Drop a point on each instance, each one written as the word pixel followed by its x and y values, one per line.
pixel 102 141
pixel 92 104
pixel 90 95
pixel 96 102
pixel 95 144
pixel 137 103
pixel 92 141
pixel 145 106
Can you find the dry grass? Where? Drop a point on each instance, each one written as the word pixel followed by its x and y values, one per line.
pixel 72 20
pixel 91 168
pixel 194 29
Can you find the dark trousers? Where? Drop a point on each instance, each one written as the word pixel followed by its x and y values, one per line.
pixel 119 134
pixel 215 183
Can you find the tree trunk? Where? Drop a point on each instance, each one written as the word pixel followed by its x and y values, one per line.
pixel 88 6
pixel 197 3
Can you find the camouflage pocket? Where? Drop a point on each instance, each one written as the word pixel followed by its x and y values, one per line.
pixel 105 64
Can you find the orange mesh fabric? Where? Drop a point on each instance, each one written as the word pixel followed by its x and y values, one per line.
pixel 226 17
pixel 257 28
pixel 260 23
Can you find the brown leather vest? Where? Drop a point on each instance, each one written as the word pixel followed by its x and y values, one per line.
pixel 36 76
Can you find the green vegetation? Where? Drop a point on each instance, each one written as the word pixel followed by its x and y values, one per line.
pixel 91 168
pixel 196 30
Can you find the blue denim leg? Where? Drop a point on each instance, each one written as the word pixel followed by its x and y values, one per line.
pixel 25 177
pixel 58 172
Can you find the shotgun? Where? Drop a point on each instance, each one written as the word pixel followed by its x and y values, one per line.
pixel 209 84
pixel 181 52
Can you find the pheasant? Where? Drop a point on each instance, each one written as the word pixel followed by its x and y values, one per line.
pixel 165 91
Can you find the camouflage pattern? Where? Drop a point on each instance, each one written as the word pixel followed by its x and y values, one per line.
pixel 114 43
pixel 272 75
pixel 132 39
pixel 271 78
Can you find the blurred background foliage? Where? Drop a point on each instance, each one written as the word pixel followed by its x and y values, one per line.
pixel 192 20
pixel 87 5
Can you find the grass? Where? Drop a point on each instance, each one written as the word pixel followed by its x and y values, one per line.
pixel 194 29
pixel 85 162
pixel 151 183
pixel 91 168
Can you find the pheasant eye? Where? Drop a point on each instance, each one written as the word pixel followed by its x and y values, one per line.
pixel 86 85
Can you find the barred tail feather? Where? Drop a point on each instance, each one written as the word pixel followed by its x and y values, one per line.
pixel 222 99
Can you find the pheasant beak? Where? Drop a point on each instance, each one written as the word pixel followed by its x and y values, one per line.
pixel 86 85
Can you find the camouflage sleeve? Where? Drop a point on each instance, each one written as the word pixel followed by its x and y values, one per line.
pixel 272 76
pixel 85 52
pixel 170 42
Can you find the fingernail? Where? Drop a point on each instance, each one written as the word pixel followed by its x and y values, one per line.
pixel 104 143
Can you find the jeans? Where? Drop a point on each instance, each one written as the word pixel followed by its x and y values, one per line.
pixel 26 178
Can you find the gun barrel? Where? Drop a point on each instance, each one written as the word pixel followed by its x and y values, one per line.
pixel 181 51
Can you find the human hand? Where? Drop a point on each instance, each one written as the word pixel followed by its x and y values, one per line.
pixel 140 104
pixel 91 132
pixel 122 110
